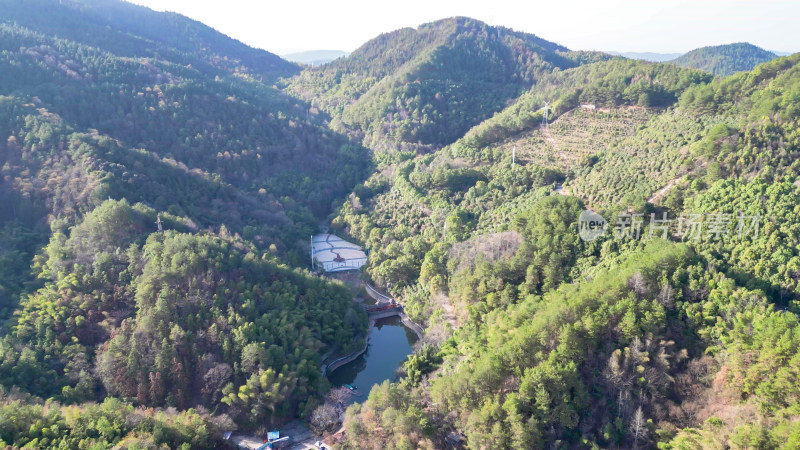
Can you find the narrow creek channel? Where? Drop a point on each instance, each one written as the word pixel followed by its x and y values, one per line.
pixel 389 344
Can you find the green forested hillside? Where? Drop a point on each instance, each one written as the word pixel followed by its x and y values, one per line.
pixel 34 424
pixel 114 117
pixel 178 113
pixel 160 181
pixel 605 85
pixel 537 338
pixel 413 90
pixel 471 184
pixel 217 148
pixel 725 59
pixel 132 31
pixel 171 311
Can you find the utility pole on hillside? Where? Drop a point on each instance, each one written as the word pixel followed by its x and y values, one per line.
pixel 546 111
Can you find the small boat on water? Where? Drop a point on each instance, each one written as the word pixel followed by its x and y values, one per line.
pixel 352 388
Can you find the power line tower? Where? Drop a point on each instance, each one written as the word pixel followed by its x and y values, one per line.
pixel 158 223
pixel 546 109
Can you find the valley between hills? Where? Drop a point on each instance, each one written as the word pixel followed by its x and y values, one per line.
pixel 160 182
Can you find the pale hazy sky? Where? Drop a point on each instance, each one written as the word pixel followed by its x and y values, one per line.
pixel 620 25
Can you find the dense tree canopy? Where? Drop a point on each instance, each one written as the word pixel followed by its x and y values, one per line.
pixel 113 118
pixel 420 89
pixel 159 184
pixel 725 59
pixel 537 338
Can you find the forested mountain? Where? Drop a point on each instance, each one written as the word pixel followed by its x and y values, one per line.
pixel 113 118
pixel 129 30
pixel 215 146
pixel 420 89
pixel 536 337
pixel 725 59
pixel 160 181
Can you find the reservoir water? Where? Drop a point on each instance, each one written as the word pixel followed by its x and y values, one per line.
pixel 389 344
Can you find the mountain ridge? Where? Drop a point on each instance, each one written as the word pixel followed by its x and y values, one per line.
pixel 725 59
pixel 132 30
pixel 433 66
pixel 159 183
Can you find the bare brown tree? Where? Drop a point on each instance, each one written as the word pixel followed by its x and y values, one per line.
pixel 638 285
pixel 665 297
pixel 338 396
pixel 324 418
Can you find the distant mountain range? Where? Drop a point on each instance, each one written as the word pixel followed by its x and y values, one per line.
pixel 320 57
pixel 314 57
pixel 725 59
pixel 720 59
pixel 647 56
